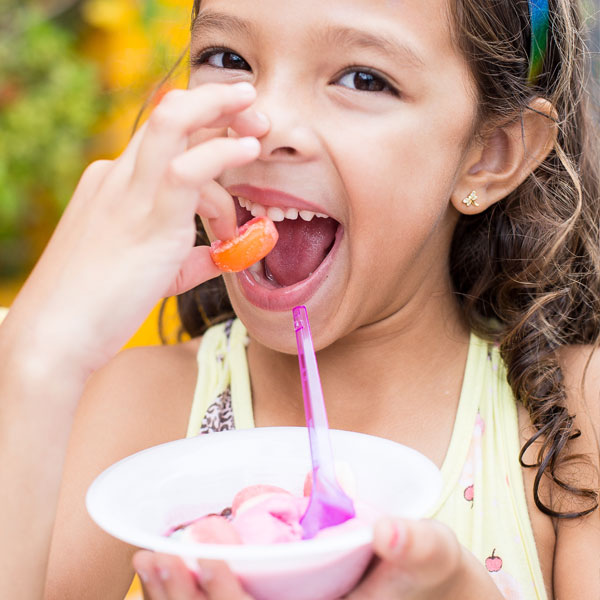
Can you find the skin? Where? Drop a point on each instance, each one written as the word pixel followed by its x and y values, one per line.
pixel 405 342
pixel 63 326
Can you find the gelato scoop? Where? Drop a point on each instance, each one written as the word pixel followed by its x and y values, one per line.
pixel 259 514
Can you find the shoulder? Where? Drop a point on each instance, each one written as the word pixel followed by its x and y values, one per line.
pixel 580 366
pixel 141 398
pixel 577 554
pixel 581 370
pixel 569 549
pixel 144 378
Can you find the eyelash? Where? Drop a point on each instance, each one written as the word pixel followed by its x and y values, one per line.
pixel 202 57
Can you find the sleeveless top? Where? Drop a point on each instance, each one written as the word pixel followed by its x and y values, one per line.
pixel 483 496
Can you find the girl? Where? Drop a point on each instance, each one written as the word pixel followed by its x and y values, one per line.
pixel 431 172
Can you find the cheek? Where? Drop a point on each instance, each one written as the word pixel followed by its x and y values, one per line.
pixel 398 176
pixel 403 166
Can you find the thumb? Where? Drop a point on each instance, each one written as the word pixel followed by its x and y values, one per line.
pixel 425 551
pixel 197 268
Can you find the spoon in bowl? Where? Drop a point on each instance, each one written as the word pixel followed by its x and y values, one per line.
pixel 328 504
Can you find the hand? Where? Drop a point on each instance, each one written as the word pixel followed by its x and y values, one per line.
pixel 167 577
pixel 127 236
pixel 422 560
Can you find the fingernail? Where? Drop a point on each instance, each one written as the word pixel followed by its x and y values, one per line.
pixel 164 573
pixel 203 575
pixel 397 537
pixel 143 575
pixel 245 89
pixel 262 117
pixel 251 143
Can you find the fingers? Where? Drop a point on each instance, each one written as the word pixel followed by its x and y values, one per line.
pixel 219 583
pixel 166 577
pixel 415 556
pixel 177 198
pixel 199 166
pixel 249 122
pixel 425 548
pixel 181 113
pixel 197 268
pixel 216 204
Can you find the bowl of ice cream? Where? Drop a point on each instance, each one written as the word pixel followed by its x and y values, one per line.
pixel 155 498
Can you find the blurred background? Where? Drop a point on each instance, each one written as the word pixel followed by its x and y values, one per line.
pixel 74 75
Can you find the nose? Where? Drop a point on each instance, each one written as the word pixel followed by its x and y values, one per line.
pixel 292 136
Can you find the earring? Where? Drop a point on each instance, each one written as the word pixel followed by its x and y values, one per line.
pixel 471 199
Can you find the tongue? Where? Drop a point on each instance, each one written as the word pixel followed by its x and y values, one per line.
pixel 301 248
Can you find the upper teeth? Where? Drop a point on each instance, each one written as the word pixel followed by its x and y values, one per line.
pixel 276 213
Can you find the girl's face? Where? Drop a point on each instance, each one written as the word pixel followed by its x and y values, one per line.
pixel 371 109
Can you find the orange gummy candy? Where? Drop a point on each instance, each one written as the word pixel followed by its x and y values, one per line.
pixel 254 241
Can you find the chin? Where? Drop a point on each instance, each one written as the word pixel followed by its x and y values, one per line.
pixel 275 329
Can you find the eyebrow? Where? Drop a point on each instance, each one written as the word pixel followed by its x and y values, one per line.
pixel 348 37
pixel 208 21
pixel 331 36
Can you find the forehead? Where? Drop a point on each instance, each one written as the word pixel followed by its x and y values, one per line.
pixel 420 26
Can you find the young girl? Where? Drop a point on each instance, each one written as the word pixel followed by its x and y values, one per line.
pixel 430 168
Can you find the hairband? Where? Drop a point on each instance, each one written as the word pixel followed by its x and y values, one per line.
pixel 538 14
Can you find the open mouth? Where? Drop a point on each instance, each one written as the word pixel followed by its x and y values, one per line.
pixel 305 240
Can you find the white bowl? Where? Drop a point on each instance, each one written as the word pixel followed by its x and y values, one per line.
pixel 140 497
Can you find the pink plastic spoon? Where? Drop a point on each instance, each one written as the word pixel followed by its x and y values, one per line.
pixel 328 505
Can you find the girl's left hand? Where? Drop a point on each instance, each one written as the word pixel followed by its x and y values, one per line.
pixel 416 560
pixel 422 560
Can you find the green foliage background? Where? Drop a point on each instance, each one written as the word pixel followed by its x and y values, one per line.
pixel 50 101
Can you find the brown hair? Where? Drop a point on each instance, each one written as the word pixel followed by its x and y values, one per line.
pixel 526 271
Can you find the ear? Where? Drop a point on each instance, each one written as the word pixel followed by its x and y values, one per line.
pixel 504 157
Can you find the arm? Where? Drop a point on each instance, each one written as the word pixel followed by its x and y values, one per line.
pixel 92 289
pixel 140 399
pixel 35 420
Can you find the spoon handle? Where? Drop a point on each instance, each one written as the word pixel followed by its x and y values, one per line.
pixel 314 404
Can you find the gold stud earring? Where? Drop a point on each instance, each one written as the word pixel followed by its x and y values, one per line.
pixel 471 199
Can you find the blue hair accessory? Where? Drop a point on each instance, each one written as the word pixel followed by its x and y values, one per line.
pixel 538 14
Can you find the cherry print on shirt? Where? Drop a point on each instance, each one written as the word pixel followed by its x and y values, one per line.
pixel 469 493
pixel 493 563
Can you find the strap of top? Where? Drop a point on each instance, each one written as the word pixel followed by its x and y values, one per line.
pixel 465 417
pixel 223 372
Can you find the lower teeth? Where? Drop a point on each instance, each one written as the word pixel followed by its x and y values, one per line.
pixel 269 275
pixel 255 270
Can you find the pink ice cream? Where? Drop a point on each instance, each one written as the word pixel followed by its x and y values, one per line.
pixel 259 514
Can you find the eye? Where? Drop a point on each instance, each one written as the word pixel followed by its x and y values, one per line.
pixel 221 58
pixel 365 81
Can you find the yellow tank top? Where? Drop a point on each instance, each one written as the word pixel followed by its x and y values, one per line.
pixel 483 497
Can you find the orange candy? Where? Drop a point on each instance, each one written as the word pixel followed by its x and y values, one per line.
pixel 254 241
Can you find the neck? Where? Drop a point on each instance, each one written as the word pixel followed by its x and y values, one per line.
pixel 386 378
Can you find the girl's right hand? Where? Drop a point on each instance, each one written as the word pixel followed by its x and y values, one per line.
pixel 166 577
pixel 127 237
